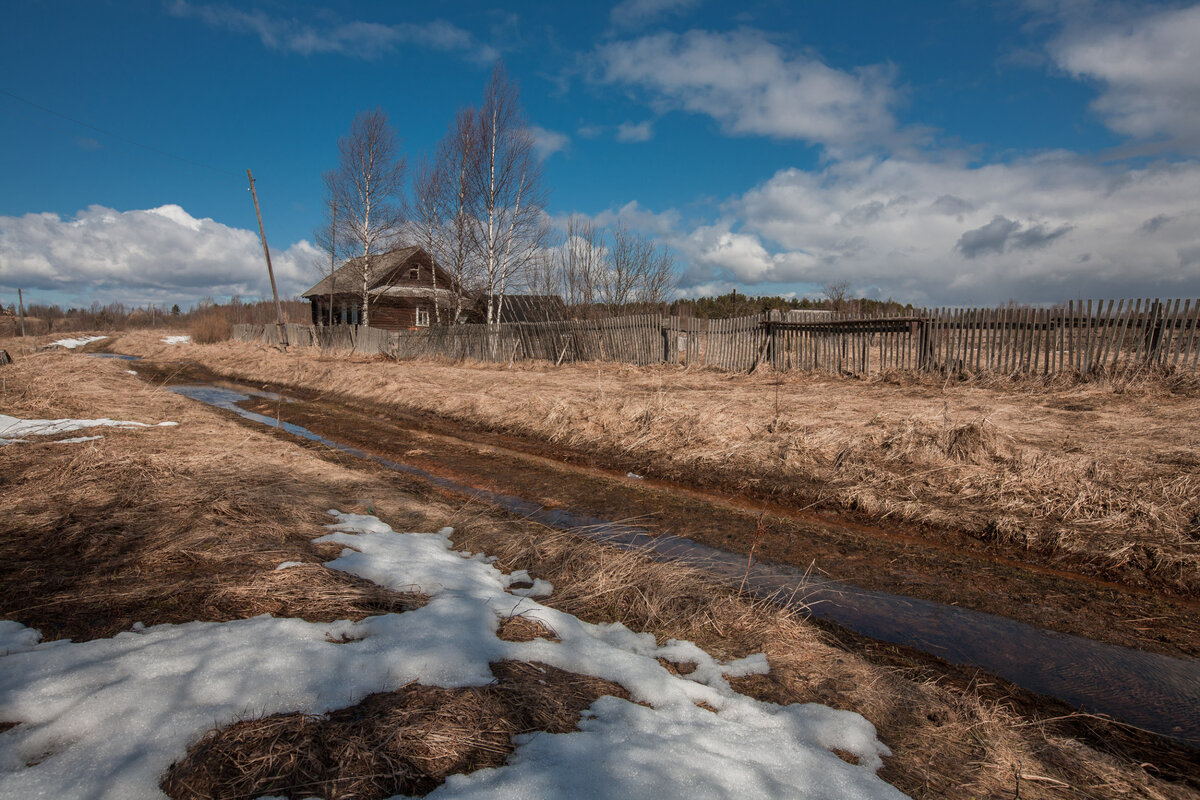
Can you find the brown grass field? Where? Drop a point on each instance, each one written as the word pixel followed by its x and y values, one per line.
pixel 1100 478
pixel 165 525
pixel 173 524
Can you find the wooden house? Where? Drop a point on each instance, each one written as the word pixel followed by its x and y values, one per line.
pixel 406 289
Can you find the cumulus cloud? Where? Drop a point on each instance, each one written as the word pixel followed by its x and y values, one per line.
pixel 635 132
pixel 638 218
pixel 635 13
pixel 1147 66
pixel 154 256
pixel 547 142
pixel 1039 230
pixel 751 86
pixel 357 39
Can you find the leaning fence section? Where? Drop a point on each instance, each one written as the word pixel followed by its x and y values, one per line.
pixel 1081 337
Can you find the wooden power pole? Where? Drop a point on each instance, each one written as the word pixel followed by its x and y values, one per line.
pixel 21 310
pixel 270 272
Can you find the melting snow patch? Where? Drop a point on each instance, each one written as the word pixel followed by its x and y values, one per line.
pixel 13 426
pixel 71 344
pixel 162 688
pixel 177 339
pixel 75 439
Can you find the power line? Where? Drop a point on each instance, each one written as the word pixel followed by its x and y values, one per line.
pixel 120 138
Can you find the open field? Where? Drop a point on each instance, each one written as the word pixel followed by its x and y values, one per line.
pixel 165 525
pixel 1097 478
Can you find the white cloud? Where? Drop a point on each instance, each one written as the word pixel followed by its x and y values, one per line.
pixel 367 40
pixel 635 13
pixel 1148 66
pixel 153 256
pixel 1040 230
pixel 752 87
pixel 635 132
pixel 547 142
pixel 633 216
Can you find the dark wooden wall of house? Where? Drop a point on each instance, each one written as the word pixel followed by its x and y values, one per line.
pixel 393 317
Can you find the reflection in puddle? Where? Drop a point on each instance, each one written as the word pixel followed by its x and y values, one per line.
pixel 1156 692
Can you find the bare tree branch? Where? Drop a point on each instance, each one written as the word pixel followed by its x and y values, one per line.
pixel 507 180
pixel 368 188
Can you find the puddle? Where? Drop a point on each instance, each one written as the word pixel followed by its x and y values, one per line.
pixel 1156 692
pixel 121 356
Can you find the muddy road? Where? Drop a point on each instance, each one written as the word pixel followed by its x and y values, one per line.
pixel 893 559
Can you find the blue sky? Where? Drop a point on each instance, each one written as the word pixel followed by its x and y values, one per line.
pixel 942 153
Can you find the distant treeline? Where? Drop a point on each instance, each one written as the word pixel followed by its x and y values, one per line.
pixel 41 318
pixel 736 304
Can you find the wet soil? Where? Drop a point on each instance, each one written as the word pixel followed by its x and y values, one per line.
pixel 893 559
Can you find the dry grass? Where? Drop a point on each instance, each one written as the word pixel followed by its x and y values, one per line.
pixel 950 736
pixel 1098 477
pixel 159 525
pixel 404 742
pixel 210 328
pixel 183 523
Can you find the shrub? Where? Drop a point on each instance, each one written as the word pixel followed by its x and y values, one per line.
pixel 210 327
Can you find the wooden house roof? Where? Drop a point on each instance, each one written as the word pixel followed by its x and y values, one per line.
pixel 386 268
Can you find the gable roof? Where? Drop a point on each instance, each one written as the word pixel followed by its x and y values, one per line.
pixel 385 267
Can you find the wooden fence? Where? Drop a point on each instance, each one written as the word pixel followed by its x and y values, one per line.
pixel 1089 337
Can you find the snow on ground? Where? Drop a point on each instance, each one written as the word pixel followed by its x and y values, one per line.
pixel 71 344
pixel 15 427
pixel 106 718
pixel 177 339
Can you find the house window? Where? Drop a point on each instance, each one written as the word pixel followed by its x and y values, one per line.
pixel 414 273
pixel 422 317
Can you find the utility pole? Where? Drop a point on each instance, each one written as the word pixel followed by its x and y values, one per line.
pixel 270 272
pixel 21 306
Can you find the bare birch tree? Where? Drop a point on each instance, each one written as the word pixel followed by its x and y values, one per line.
pixel 507 180
pixel 658 276
pixel 368 187
pixel 582 262
pixel 458 154
pixel 545 275
pixel 429 190
pixel 330 238
pixel 635 271
pixel 620 277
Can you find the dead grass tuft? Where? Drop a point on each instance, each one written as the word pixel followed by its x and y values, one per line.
pixel 518 628
pixel 404 742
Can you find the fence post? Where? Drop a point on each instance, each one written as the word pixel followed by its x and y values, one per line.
pixel 1155 333
pixel 924 353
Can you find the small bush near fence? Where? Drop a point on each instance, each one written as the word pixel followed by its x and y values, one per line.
pixel 210 328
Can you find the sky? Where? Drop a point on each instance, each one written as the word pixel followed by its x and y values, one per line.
pixel 947 153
